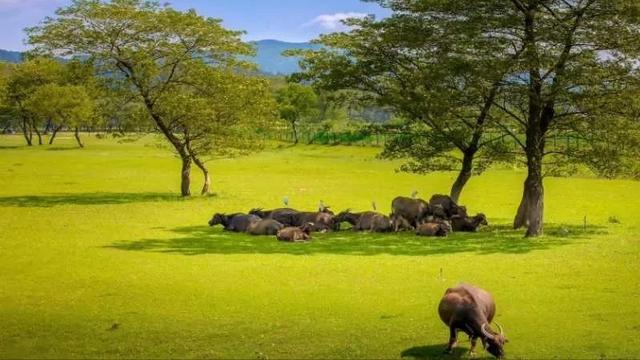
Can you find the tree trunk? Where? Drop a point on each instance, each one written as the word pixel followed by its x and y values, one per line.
pixel 54 133
pixel 185 184
pixel 463 176
pixel 26 131
pixel 531 209
pixel 35 128
pixel 49 126
pixel 206 189
pixel 77 135
pixel 295 133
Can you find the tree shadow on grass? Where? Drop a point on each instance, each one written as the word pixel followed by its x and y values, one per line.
pixel 202 240
pixel 437 352
pixel 97 198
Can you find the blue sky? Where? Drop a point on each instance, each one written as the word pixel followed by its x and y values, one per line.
pixel 287 20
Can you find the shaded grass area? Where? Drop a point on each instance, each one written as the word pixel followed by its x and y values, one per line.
pixel 100 258
pixel 86 199
pixel 201 240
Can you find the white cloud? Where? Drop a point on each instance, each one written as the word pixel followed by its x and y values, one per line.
pixel 333 22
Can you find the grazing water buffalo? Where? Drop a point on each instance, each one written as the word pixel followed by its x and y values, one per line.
pixel 234 222
pixel 265 227
pixel 295 234
pixel 468 224
pixel 471 310
pixel 412 210
pixel 448 205
pixel 434 228
pixel 366 221
pixel 283 216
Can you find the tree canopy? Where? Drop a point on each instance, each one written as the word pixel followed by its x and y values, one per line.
pixel 165 58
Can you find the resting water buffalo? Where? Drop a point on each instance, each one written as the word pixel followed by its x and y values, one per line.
pixel 434 228
pixel 366 221
pixel 322 221
pixel 264 227
pixel 448 205
pixel 468 224
pixel 283 216
pixel 295 234
pixel 398 223
pixel 412 210
pixel 234 222
pixel 471 310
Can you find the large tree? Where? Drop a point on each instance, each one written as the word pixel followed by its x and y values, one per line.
pixel 550 62
pixel 68 105
pixel 576 55
pixel 419 65
pixel 161 55
pixel 23 81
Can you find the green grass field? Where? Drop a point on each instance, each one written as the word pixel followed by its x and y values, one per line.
pixel 99 258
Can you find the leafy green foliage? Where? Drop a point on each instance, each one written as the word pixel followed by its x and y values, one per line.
pixel 297 103
pixel 184 68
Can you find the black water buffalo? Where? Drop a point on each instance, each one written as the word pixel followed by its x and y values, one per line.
pixel 322 221
pixel 295 234
pixel 366 221
pixel 448 205
pixel 283 216
pixel 470 309
pixel 434 228
pixel 235 222
pixel 415 211
pixel 265 227
pixel 468 224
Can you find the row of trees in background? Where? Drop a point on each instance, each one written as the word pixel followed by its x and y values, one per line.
pixel 460 78
pixel 42 95
pixel 458 71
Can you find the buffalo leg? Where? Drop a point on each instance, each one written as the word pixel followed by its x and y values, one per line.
pixel 474 342
pixel 453 340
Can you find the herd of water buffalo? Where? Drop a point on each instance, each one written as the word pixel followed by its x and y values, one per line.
pixel 464 308
pixel 437 217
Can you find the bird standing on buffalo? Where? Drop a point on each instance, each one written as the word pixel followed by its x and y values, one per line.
pixel 470 309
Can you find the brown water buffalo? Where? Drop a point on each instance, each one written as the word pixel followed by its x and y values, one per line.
pixel 233 222
pixel 434 228
pixel 412 210
pixel 264 227
pixel 399 223
pixel 366 221
pixel 470 309
pixel 283 216
pixel 295 234
pixel 468 224
pixel 322 221
pixel 448 205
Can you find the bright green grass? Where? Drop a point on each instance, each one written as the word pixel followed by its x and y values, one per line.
pixel 93 237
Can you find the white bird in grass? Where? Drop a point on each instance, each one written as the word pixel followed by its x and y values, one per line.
pixel 285 200
pixel 414 194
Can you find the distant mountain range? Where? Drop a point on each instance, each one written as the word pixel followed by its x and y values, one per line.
pixel 10 56
pixel 268 56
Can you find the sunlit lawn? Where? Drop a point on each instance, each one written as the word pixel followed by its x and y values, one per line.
pixel 99 258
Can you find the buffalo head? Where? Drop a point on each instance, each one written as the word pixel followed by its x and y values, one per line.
pixel 218 219
pixel 494 341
